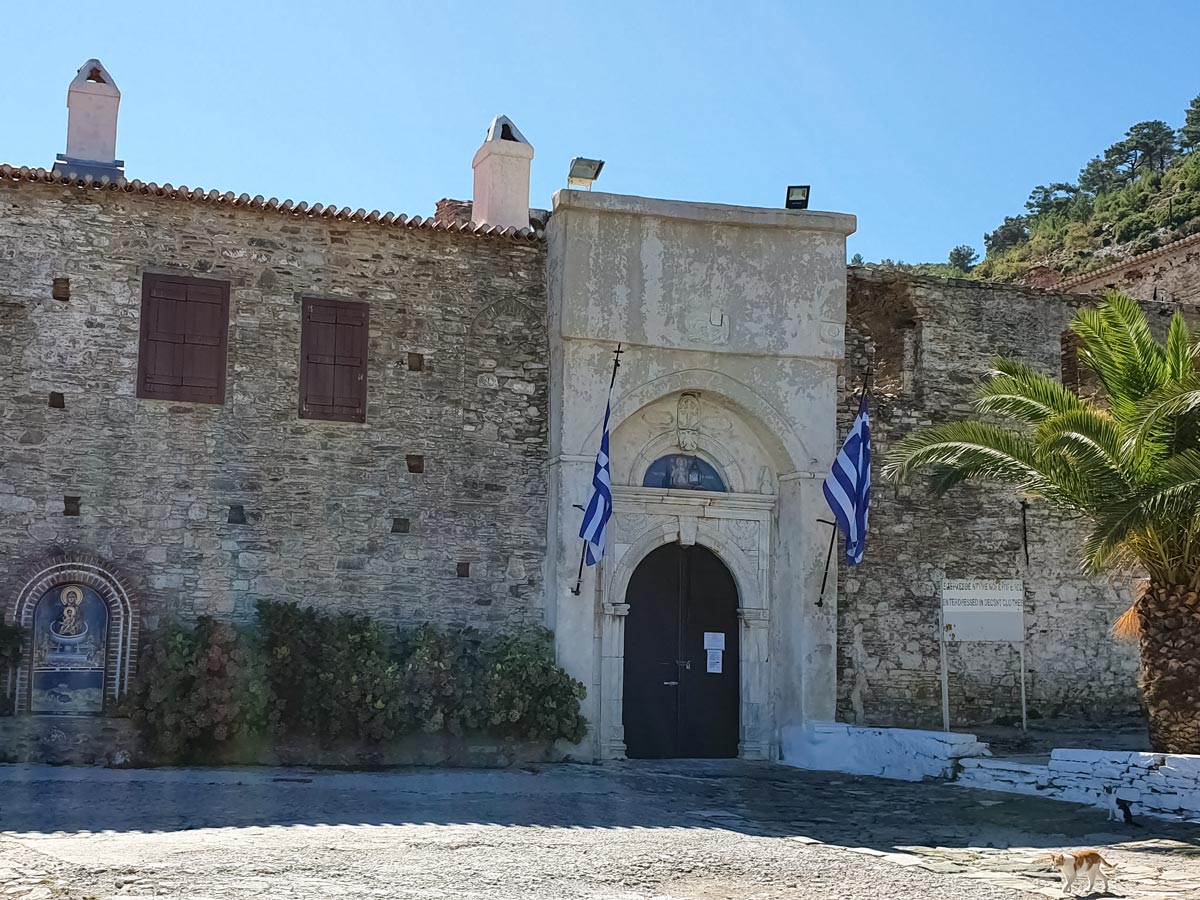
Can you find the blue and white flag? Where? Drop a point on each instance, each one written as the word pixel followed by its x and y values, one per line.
pixel 599 508
pixel 848 485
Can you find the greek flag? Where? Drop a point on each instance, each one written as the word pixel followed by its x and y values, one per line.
pixel 599 508
pixel 848 485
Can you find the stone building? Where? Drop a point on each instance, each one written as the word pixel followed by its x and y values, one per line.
pixel 1170 273
pixel 209 399
pixel 928 341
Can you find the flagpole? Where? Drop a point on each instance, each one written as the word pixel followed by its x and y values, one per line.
pixel 828 557
pixel 866 389
pixel 583 550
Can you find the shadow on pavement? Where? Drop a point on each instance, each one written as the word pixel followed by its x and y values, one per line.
pixel 750 798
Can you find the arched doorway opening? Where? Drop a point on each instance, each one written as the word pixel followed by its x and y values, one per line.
pixel 681 678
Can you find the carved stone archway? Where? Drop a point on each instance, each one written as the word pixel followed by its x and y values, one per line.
pixel 705 520
pixel 123 618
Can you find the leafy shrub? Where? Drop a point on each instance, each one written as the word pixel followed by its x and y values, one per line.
pixel 442 681
pixel 198 689
pixel 343 676
pixel 12 644
pixel 529 695
pixel 329 675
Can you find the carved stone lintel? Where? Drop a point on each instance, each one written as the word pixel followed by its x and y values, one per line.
pixel 688 527
pixel 753 617
pixel 616 609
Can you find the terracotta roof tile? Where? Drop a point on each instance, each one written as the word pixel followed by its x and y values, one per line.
pixel 284 207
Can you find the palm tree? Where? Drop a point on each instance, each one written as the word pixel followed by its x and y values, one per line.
pixel 1129 461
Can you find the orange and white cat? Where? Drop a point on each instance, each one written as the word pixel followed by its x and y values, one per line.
pixel 1081 862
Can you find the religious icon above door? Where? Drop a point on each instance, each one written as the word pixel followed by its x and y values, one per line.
pixel 70 638
pixel 682 472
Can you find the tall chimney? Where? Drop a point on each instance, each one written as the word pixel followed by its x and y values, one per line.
pixel 502 177
pixel 92 102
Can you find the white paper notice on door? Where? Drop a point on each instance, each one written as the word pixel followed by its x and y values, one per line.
pixel 714 660
pixel 714 640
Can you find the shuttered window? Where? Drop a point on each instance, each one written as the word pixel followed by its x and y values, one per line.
pixel 333 360
pixel 184 339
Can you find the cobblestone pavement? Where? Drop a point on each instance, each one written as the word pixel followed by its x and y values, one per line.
pixel 667 831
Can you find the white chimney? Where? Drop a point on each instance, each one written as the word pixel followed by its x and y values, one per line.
pixel 92 102
pixel 502 177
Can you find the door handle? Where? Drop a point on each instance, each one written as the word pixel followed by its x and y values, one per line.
pixel 684 663
pixel 671 683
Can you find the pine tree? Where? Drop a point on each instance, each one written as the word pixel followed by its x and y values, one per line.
pixel 1189 134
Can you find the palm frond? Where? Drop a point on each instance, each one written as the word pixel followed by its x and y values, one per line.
pixel 980 450
pixel 1127 627
pixel 1117 346
pixel 1090 437
pixel 1179 398
pixel 1181 349
pixel 1168 504
pixel 1020 392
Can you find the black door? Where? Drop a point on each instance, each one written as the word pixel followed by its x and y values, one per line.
pixel 681 697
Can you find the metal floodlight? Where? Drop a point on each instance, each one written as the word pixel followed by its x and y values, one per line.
pixel 584 171
pixel 797 196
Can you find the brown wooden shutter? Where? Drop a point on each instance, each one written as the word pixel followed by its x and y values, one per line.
pixel 184 339
pixel 333 360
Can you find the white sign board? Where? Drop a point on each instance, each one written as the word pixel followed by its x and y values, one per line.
pixel 714 660
pixel 714 640
pixel 981 609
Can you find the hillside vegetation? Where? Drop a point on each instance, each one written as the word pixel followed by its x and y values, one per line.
pixel 1140 193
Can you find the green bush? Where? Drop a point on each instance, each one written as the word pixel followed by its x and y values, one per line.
pixel 12 644
pixel 442 681
pixel 329 675
pixel 341 676
pixel 198 688
pixel 528 694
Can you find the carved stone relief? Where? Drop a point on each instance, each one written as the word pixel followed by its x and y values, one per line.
pixel 745 534
pixel 687 422
pixel 707 326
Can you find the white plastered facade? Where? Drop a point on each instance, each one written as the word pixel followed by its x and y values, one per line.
pixel 732 322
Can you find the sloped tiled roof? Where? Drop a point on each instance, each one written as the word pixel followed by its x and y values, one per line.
pixel 245 201
pixel 1129 262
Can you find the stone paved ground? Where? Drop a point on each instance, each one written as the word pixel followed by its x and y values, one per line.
pixel 669 831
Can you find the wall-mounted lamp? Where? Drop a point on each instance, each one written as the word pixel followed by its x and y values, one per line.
pixel 584 171
pixel 797 196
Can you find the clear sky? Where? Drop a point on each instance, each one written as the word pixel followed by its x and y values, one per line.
pixel 929 120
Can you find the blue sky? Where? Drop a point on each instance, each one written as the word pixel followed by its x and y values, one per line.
pixel 930 121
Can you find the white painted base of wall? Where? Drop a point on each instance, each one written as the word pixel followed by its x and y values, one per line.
pixel 903 754
pixel 1161 785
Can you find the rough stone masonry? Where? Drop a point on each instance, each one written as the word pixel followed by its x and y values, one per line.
pixel 929 341
pixel 457 375
pixel 458 389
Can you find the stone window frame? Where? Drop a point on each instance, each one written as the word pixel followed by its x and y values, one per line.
pixel 124 621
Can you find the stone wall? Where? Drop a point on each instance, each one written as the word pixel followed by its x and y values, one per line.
pixel 903 754
pixel 1165 785
pixel 929 341
pixel 1170 273
pixel 334 516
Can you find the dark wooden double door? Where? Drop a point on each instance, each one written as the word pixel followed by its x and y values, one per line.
pixel 675 704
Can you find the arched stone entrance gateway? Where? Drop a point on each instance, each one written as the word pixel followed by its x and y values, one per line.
pixel 681 657
pixel 722 426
